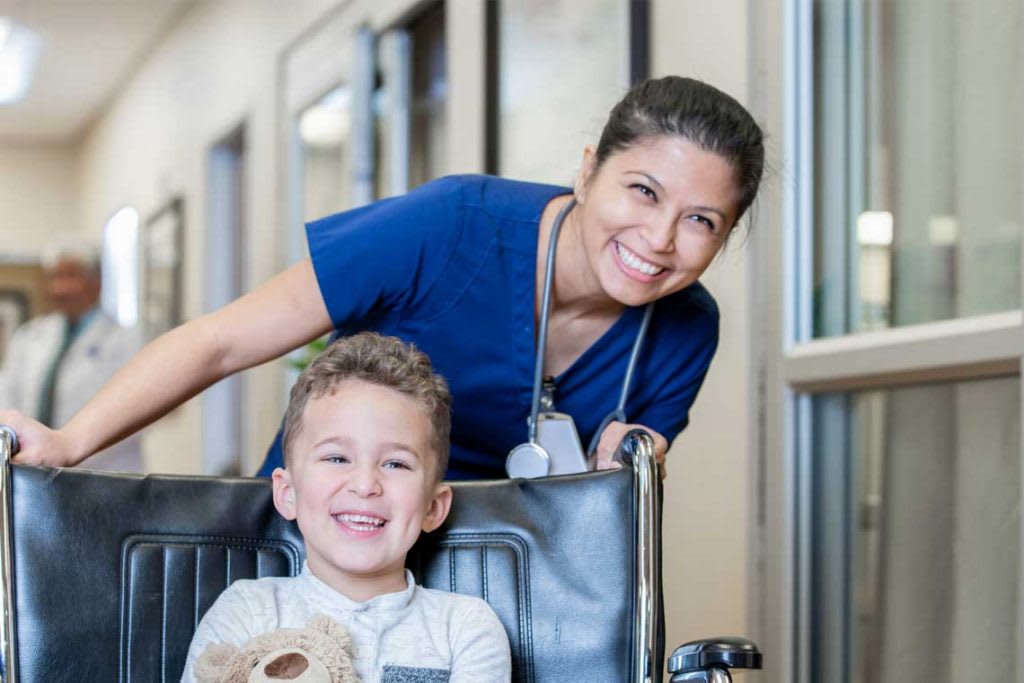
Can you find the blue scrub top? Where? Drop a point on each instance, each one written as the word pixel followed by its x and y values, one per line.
pixel 451 267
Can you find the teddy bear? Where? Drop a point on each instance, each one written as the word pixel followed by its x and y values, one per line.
pixel 319 653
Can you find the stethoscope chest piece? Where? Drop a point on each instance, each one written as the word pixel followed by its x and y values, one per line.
pixel 528 461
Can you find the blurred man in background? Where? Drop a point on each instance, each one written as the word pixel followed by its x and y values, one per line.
pixel 55 362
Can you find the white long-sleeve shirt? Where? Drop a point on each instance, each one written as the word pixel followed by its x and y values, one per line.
pixel 419 634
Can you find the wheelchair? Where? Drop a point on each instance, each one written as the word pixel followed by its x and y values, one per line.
pixel 106 576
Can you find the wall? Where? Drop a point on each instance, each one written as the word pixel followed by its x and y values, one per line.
pixel 709 492
pixel 38 197
pixel 215 71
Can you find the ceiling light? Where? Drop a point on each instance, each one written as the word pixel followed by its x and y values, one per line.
pixel 19 53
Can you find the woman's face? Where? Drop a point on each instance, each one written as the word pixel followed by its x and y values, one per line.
pixel 653 216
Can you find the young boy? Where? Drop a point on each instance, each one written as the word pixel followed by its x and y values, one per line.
pixel 366 445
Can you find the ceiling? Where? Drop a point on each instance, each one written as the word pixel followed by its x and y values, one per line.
pixel 89 48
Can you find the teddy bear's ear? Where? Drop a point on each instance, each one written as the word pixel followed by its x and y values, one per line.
pixel 219 663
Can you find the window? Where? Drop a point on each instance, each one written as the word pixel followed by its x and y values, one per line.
pixel 428 143
pixel 409 103
pixel 891 479
pixel 916 533
pixel 120 264
pixel 367 113
pixel 918 166
pixel 545 119
pixel 323 132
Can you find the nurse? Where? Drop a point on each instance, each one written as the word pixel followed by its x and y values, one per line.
pixel 457 267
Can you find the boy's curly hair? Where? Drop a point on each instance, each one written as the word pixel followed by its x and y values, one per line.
pixel 387 362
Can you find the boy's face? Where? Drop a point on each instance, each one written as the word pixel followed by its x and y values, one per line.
pixel 361 483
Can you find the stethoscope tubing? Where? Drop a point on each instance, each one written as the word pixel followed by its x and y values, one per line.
pixel 619 414
pixel 545 313
pixel 542 337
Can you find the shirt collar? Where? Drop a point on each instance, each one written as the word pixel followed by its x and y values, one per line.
pixel 83 322
pixel 386 602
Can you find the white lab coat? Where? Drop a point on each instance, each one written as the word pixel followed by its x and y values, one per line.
pixel 93 357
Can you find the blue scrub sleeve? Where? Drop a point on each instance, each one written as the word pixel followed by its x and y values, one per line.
pixel 375 263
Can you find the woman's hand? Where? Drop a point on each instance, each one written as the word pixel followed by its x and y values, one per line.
pixel 612 437
pixel 39 445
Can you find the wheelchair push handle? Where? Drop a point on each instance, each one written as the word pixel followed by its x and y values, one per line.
pixel 9 446
pixel 701 661
pixel 8 634
pixel 636 450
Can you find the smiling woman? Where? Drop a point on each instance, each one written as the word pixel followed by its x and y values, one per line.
pixel 457 267
pixel 656 214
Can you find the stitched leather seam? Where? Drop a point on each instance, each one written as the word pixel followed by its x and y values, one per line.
pixel 522 552
pixel 452 581
pixel 283 546
pixel 483 569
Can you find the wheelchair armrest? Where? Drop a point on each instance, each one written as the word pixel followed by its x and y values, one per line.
pixel 710 660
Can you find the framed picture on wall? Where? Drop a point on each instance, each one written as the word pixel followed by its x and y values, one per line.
pixel 162 251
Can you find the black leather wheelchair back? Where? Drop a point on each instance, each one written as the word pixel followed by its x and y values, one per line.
pixel 112 573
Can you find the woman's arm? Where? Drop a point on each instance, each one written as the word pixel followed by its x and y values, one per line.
pixel 279 316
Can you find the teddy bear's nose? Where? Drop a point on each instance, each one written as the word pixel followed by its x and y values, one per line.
pixel 287 667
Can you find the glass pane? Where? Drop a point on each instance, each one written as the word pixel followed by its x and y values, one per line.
pixel 384 117
pixel 915 532
pixel 428 145
pixel 409 104
pixel 119 297
pixel 546 116
pixel 918 161
pixel 324 131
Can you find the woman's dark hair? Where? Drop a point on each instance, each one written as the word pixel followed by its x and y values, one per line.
pixel 694 110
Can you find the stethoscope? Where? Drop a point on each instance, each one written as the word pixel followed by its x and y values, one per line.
pixel 530 459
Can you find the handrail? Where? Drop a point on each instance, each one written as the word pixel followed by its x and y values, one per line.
pixel 637 449
pixel 8 449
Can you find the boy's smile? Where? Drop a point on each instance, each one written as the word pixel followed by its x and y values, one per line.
pixel 359 524
pixel 361 482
